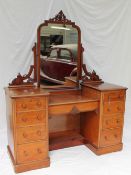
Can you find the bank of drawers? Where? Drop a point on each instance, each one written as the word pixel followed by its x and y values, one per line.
pixel 112 118
pixel 31 129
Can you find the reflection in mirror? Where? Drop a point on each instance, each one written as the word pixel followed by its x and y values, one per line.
pixel 59 52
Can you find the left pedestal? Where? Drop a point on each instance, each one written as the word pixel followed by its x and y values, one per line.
pixel 27 117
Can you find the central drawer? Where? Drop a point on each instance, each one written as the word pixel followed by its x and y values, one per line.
pixel 32 152
pixel 32 133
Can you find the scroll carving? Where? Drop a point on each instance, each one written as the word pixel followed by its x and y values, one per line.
pixel 90 77
pixel 23 80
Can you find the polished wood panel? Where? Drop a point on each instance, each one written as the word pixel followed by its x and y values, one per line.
pixel 31 133
pixel 64 122
pixel 113 107
pixel 30 118
pixel 92 115
pixel 65 139
pixel 32 152
pixel 113 122
pixel 26 104
pixel 114 96
pixel 90 127
pixel 73 108
pixel 111 137
pixel 29 144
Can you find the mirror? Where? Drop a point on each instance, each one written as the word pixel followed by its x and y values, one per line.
pixel 58 51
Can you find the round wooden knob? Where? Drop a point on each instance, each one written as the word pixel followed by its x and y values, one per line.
pixel 117 121
pixel 38 117
pixel 107 122
pixel 24 119
pixel 24 135
pixel 24 106
pixel 108 109
pixel 38 103
pixel 26 153
pixel 115 135
pixel 119 97
pixel 105 137
pixel 118 108
pixel 39 150
pixel 39 133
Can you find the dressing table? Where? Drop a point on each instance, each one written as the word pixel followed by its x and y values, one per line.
pixel 61 111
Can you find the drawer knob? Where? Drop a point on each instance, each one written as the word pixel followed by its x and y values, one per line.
pixel 117 121
pixel 39 133
pixel 119 97
pixel 105 137
pixel 108 109
pixel 118 108
pixel 26 153
pixel 107 122
pixel 39 150
pixel 38 103
pixel 24 119
pixel 38 117
pixel 24 106
pixel 24 135
pixel 115 135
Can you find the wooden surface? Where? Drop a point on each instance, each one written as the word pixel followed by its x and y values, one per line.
pixel 27 117
pixel 39 120
pixel 105 86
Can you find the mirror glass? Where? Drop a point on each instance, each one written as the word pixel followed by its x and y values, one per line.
pixel 58 53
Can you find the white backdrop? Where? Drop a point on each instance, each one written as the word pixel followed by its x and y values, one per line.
pixel 106 37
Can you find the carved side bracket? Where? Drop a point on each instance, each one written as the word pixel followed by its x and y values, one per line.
pixel 90 77
pixel 23 80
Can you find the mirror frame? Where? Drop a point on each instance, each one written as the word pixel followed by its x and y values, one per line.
pixel 60 18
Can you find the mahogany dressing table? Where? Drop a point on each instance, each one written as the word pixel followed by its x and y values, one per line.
pixel 61 110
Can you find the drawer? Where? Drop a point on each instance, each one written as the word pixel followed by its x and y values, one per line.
pixel 112 122
pixel 111 137
pixel 113 107
pixel 30 118
pixel 32 152
pixel 32 133
pixel 114 96
pixel 35 103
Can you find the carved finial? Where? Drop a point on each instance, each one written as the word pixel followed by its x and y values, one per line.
pixel 60 17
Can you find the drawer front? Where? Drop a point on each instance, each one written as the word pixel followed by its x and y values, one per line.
pixel 30 118
pixel 29 134
pixel 114 96
pixel 111 137
pixel 35 103
pixel 112 122
pixel 32 152
pixel 113 107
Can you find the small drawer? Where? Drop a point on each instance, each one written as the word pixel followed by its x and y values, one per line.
pixel 32 133
pixel 114 96
pixel 25 104
pixel 32 152
pixel 30 118
pixel 113 107
pixel 112 122
pixel 111 137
